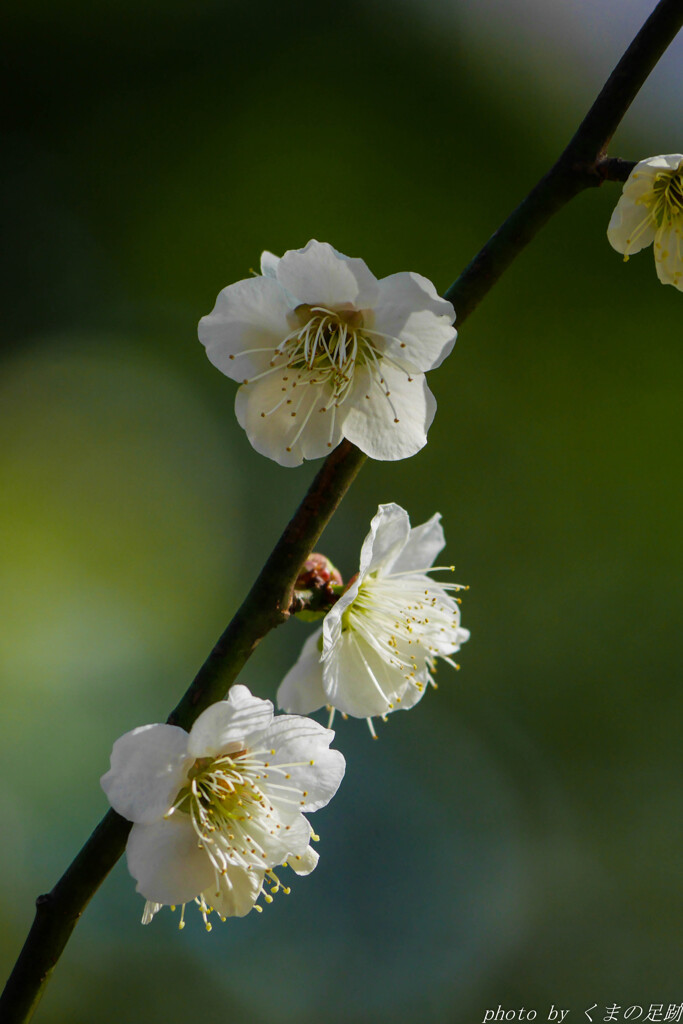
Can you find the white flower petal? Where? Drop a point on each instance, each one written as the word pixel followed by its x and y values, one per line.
pixel 239 889
pixel 269 263
pixel 653 164
pixel 413 693
pixel 463 637
pixel 247 323
pixel 355 679
pixel 302 749
pixel 284 422
pixel 301 691
pixel 292 838
pixel 631 227
pixel 422 546
pixel 371 424
pixel 416 324
pixel 668 249
pixel 167 862
pixel 389 533
pixel 149 766
pixel 332 623
pixel 229 722
pixel 275 829
pixel 304 863
pixel 320 276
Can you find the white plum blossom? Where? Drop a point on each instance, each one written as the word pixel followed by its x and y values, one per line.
pixel 324 350
pixel 651 210
pixel 215 810
pixel 377 648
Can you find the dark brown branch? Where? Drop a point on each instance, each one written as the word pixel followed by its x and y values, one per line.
pixel 612 168
pixel 267 603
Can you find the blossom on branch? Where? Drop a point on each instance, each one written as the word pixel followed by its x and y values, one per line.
pixel 324 350
pixel 376 651
pixel 215 810
pixel 651 210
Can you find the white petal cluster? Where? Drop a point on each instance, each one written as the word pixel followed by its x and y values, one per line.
pixel 377 648
pixel 324 350
pixel 216 809
pixel 650 210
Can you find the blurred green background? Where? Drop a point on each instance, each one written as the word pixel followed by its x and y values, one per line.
pixel 513 840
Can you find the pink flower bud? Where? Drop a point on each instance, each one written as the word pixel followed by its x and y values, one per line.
pixel 317 572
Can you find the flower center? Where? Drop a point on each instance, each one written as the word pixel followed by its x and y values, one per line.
pixel 216 790
pixel 667 196
pixel 408 620
pixel 226 807
pixel 230 804
pixel 326 346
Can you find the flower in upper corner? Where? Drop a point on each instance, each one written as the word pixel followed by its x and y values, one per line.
pixel 377 648
pixel 651 210
pixel 216 809
pixel 324 350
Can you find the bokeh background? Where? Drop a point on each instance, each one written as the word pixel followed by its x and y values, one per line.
pixel 514 839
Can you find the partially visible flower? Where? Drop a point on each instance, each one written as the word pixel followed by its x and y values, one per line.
pixel 377 648
pixel 651 210
pixel 324 350
pixel 216 809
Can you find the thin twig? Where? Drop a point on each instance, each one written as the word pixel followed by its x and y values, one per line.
pixel 582 165
pixel 613 168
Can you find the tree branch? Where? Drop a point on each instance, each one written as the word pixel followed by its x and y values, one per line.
pixel 265 606
pixel 612 168
pixel 581 165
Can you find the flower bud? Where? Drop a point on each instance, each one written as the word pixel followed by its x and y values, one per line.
pixel 318 586
pixel 317 572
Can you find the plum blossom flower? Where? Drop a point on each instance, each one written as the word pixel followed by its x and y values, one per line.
pixel 215 810
pixel 651 210
pixel 377 648
pixel 324 350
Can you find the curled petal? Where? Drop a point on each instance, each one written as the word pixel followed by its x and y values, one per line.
pixel 422 546
pixel 269 264
pixel 235 891
pixel 389 533
pixel 304 863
